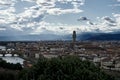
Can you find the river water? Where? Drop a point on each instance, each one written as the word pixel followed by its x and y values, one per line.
pixel 10 59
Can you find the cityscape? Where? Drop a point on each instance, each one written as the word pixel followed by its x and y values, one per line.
pixel 59 40
pixel 105 54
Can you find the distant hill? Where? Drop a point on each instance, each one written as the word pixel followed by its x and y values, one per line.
pixel 103 36
pixel 83 36
pixel 34 37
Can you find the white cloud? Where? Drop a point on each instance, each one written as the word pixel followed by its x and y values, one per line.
pixel 117 17
pixel 32 17
pixel 2 29
pixel 107 24
pixel 58 11
pixel 62 29
pixel 16 27
pixel 31 20
pixel 50 6
pixel 7 15
pixel 46 3
pixel 7 2
pixel 118 0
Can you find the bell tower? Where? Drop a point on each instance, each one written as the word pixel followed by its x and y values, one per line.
pixel 74 36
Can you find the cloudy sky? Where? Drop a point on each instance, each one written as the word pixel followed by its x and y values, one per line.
pixel 59 17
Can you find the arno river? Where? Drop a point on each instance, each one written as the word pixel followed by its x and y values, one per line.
pixel 10 59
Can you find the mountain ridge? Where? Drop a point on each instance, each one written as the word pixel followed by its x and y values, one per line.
pixel 84 36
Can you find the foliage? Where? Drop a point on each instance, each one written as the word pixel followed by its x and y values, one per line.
pixel 4 64
pixel 9 71
pixel 8 75
pixel 64 68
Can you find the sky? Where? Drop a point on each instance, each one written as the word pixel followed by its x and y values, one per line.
pixel 59 17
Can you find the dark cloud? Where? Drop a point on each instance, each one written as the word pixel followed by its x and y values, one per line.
pixel 109 19
pixel 43 28
pixel 83 19
pixel 112 24
pixel 38 18
pixel 61 28
pixel 90 23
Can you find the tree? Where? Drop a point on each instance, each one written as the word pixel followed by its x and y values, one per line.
pixel 65 68
pixel 5 65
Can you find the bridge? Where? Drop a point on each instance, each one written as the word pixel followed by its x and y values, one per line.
pixel 13 53
pixel 22 53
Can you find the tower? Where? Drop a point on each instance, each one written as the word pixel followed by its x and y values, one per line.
pixel 74 36
pixel 73 39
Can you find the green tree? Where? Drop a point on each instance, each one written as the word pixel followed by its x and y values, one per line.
pixel 5 65
pixel 64 68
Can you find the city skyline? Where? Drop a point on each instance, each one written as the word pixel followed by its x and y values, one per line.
pixel 58 17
